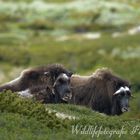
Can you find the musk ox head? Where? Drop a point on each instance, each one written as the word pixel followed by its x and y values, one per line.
pixel 62 87
pixel 54 79
pixel 122 97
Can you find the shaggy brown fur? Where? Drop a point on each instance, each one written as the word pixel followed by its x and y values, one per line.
pixel 96 91
pixel 39 81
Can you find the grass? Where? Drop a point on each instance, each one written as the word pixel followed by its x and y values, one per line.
pixel 15 126
pixel 72 16
pixel 26 119
pixel 104 52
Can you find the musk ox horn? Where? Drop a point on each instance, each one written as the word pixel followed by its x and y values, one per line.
pixel 46 73
pixel 118 91
pixel 127 88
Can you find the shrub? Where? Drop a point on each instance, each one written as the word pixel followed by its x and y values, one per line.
pixel 10 102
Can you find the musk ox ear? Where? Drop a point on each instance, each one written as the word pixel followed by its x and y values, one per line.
pixel 70 74
pixel 130 86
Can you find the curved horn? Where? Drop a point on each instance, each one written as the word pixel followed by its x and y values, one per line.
pixel 127 88
pixel 46 73
pixel 118 91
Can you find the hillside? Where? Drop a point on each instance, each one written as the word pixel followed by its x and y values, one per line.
pixel 68 17
pixel 25 119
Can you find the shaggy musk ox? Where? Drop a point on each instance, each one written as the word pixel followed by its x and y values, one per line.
pixel 102 91
pixel 48 84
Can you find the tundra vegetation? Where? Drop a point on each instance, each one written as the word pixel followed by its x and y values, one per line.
pixel 83 36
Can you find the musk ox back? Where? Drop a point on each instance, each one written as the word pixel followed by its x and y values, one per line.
pixel 102 91
pixel 48 84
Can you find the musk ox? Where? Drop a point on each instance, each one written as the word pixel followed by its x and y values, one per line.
pixel 102 91
pixel 48 84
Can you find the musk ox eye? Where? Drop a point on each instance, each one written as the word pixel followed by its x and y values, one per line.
pixel 128 93
pixel 61 81
pixel 122 93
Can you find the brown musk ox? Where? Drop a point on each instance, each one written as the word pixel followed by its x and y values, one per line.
pixel 47 84
pixel 102 91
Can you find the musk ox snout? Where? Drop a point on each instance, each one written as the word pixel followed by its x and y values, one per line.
pixel 67 96
pixel 62 87
pixel 125 109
